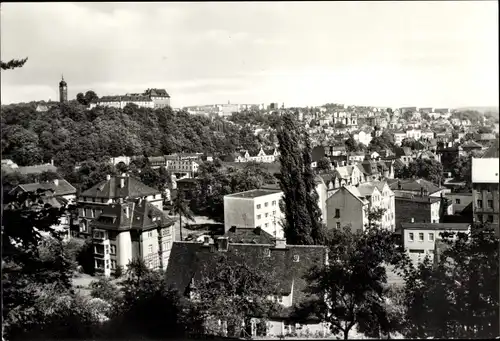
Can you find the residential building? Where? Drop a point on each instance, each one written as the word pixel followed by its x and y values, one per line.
pixel 427 134
pixel 187 167
pixel 417 208
pixel 355 157
pixel 362 137
pixel 417 187
pixel 459 201
pixel 113 190
pixel 130 230
pixel 471 146
pixel 289 266
pixel 351 205
pixel 151 98
pixel 405 154
pixel 257 156
pixel 254 208
pixel 485 187
pixel 399 136
pixel 25 170
pixel 415 134
pixel 160 97
pixel 419 239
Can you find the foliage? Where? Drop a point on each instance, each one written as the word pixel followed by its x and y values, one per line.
pixel 412 143
pixel 303 224
pixel 104 289
pixel 351 289
pixel 457 295
pixel 379 143
pixel 351 145
pixel 233 291
pixel 13 64
pixel 215 181
pixel 324 165
pixel 428 169
pixel 88 98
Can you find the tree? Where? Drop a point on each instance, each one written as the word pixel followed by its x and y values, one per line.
pixel 80 98
pixel 181 208
pixel 324 165
pixel 351 145
pixel 233 291
pixel 429 169
pixel 456 296
pixel 90 96
pixel 350 289
pixel 303 225
pixel 104 289
pixel 13 64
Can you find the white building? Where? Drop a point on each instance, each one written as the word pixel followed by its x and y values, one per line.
pixel 255 208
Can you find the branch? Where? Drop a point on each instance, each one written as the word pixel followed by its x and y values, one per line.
pixel 14 63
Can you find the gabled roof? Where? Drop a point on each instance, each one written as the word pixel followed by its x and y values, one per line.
pixel 414 185
pixel 242 235
pixel 110 189
pixel 157 92
pixel 142 215
pixel 344 172
pixel 188 259
pixel 62 188
pixel 471 144
pixel 351 190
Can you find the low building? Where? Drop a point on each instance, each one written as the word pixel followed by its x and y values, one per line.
pixel 289 266
pixel 130 230
pixel 258 208
pixel 459 201
pixel 58 188
pixel 412 208
pixel 419 239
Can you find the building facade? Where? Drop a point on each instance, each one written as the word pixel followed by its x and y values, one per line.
pixel 254 208
pixel 63 91
pixel 485 189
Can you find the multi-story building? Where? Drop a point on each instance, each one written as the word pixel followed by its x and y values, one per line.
pixel 130 230
pixel 399 136
pixel 459 200
pixel 417 187
pixel 412 208
pixel 113 190
pixel 254 208
pixel 257 156
pixel 351 205
pixel 419 239
pixel 183 166
pixel 485 185
pixel 151 98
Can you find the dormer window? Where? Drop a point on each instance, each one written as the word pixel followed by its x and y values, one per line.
pixel 296 258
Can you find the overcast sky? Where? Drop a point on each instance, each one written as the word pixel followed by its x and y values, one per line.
pixel 300 53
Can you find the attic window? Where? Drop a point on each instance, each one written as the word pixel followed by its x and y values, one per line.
pixel 296 258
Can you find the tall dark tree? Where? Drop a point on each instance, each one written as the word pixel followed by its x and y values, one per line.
pixel 303 225
pixel 181 208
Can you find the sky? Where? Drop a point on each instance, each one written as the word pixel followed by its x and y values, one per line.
pixel 427 54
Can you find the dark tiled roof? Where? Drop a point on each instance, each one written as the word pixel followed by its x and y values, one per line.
pixel 416 198
pixel 132 189
pixel 142 215
pixel 188 258
pixel 62 188
pixel 414 185
pixel 249 236
pixel 435 226
pixel 157 92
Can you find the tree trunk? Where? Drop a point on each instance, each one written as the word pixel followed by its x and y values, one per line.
pixel 180 225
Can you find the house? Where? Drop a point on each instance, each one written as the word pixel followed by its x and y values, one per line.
pixel 427 134
pixel 417 187
pixel 257 156
pixel 151 98
pixel 405 154
pixel 25 170
pixel 125 231
pixel 370 169
pixel 485 187
pixel 347 175
pixel 362 137
pixel 486 138
pixel 113 190
pixel 419 239
pixel 399 136
pixel 350 205
pixel 470 146
pixel 258 208
pixel 459 200
pixel 289 265
pixel 415 134
pixel 417 208
pixel 356 157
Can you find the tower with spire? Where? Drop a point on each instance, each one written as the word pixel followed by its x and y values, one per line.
pixel 63 90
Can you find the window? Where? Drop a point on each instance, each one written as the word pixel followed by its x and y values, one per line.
pixel 457 201
pixel 337 213
pixel 166 246
pixel 274 203
pixel 266 224
pixel 266 204
pixel 479 203
pixel 338 225
pixel 431 237
pixel 258 206
pixel 410 236
pixel 490 203
pixel 258 216
pixel 150 248
pixel 280 298
pixel 106 249
pixel 421 236
pixel 267 214
pixel 150 234
pixel 113 264
pixel 274 212
pixel 107 263
pixel 296 258
pixel 165 232
pixel 490 218
pixel 113 249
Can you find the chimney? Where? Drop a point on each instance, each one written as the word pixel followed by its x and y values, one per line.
pixel 108 177
pixel 412 220
pixel 122 182
pixel 56 182
pixel 280 243
pixel 52 162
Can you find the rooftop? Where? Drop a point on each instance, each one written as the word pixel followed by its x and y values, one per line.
pixel 416 198
pixel 435 226
pixel 485 170
pixel 254 193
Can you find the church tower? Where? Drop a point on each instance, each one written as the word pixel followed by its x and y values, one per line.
pixel 63 91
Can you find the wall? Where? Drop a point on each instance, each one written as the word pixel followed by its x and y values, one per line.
pixel 351 210
pixel 486 192
pixel 464 198
pixel 271 223
pixel 150 239
pixel 238 212
pixel 124 248
pixel 407 209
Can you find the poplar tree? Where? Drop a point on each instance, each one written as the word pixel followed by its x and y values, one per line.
pixel 303 225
